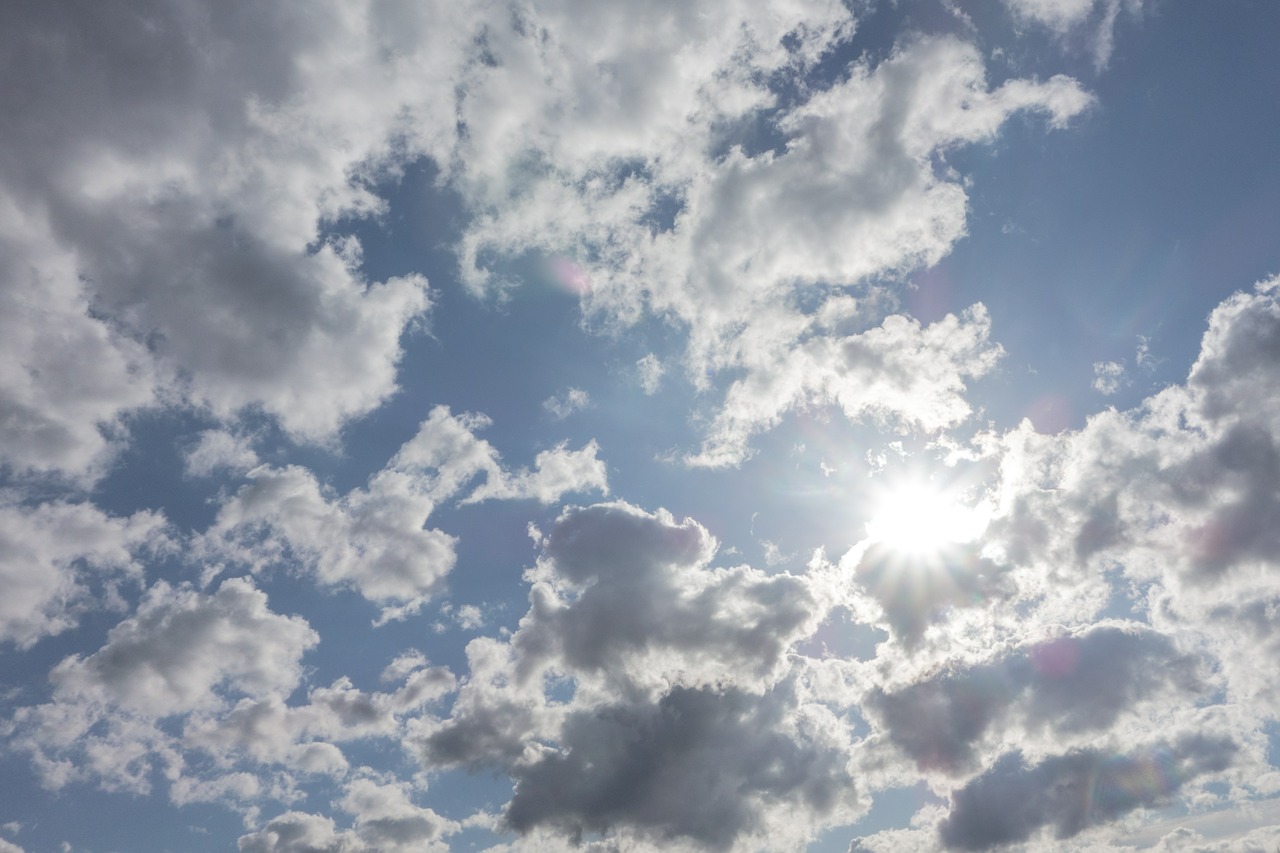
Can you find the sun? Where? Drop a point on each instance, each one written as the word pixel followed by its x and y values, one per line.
pixel 918 517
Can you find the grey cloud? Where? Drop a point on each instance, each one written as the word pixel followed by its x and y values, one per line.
pixel 699 764
pixel 170 168
pixel 480 734
pixel 1069 793
pixel 639 584
pixel 1075 683
pixel 917 591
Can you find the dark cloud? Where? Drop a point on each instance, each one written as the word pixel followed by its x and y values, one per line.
pixel 639 583
pixel 1012 801
pixel 1070 684
pixel 699 764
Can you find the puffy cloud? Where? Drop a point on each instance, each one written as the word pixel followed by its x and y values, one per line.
pixel 297 832
pixel 386 821
pixel 899 373
pixel 174 228
pixel 1012 801
pixel 1072 684
pixel 374 539
pixel 1179 493
pixel 181 651
pixel 61 395
pixel 628 594
pixel 52 554
pixel 268 731
pixel 180 644
pixel 685 725
pixel 217 449
pixel 555 472
pixel 849 194
pixel 705 765
pixel 915 592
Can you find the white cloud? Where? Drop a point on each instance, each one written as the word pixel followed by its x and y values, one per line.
pixel 180 644
pixel 566 403
pixel 58 392
pixel 386 821
pixel 1096 18
pixel 900 374
pixel 217 449
pixel 854 195
pixel 650 370
pixel 1108 376
pixel 51 557
pixel 374 538
pixel 555 473
pixel 168 177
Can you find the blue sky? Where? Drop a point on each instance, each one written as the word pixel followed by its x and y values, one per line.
pixel 673 426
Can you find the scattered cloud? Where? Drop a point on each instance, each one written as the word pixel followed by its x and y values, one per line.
pixel 566 403
pixel 1108 376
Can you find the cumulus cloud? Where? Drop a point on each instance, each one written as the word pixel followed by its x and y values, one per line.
pixel 1069 793
pixel 685 726
pixel 217 449
pixel 1071 684
pixel 173 231
pixel 53 555
pixel 374 538
pixel 701 764
pixel 853 195
pixel 181 644
pixel 899 374
pixel 626 593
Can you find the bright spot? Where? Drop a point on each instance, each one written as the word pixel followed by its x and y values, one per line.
pixel 920 518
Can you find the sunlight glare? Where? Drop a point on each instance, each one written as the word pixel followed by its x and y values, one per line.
pixel 920 518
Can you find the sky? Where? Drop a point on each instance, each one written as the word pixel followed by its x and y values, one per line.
pixel 553 425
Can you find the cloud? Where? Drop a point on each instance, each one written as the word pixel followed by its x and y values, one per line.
pixel 217 449
pixel 1071 792
pixel 385 821
pixel 684 725
pixel 1071 684
pixel 1108 376
pixel 902 375
pixel 172 236
pixel 650 369
pixel 566 403
pixel 1095 19
pixel 180 644
pixel 629 595
pixel 374 538
pixel 701 764
pixel 850 194
pixel 54 555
